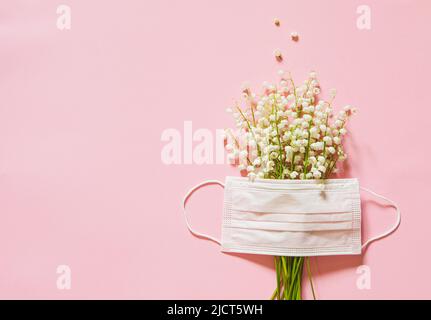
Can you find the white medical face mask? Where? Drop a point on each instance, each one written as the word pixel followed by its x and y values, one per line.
pixel 291 217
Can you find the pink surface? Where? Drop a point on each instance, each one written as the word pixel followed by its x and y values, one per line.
pixel 81 117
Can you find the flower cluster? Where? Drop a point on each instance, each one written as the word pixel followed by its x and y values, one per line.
pixel 287 132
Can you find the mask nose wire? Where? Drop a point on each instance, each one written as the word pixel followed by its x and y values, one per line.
pixel 185 199
pixel 393 228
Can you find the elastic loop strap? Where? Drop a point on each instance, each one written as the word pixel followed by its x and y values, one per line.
pixel 187 196
pixel 394 227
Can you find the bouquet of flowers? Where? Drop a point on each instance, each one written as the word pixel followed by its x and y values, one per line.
pixel 287 132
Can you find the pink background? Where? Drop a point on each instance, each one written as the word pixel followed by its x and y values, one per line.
pixel 81 117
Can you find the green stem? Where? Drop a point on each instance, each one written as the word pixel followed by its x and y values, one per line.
pixel 307 151
pixel 310 276
pixel 285 275
pixel 277 271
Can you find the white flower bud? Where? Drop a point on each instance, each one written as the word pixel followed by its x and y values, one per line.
pixel 274 155
pixel 327 140
pixel 293 174
pixel 338 123
pixel 257 162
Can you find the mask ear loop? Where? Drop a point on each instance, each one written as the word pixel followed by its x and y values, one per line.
pixel 393 228
pixel 187 196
